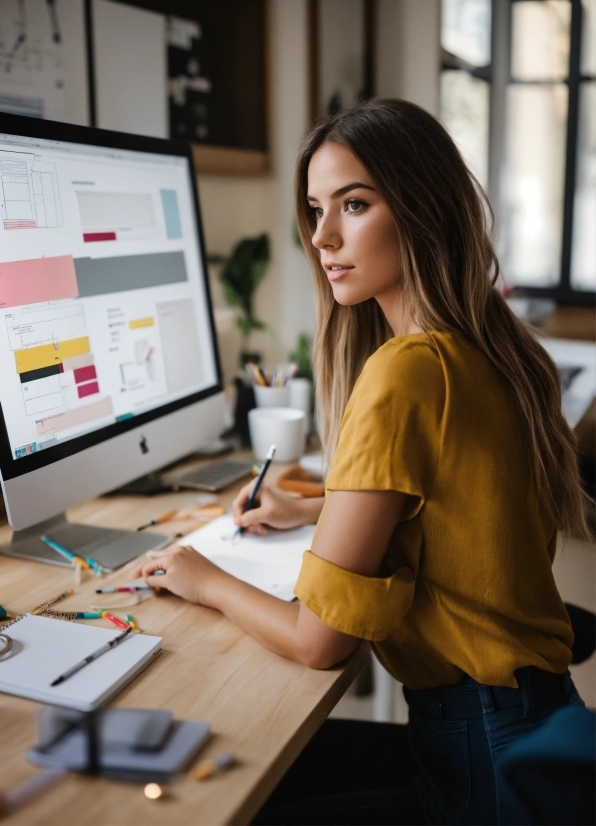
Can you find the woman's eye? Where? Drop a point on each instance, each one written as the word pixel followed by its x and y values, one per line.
pixel 317 212
pixel 354 206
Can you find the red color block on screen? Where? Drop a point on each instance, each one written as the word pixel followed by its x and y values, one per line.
pixel 99 236
pixel 37 280
pixel 85 373
pixel 87 389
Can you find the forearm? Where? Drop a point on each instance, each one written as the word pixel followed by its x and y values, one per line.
pixel 270 621
pixel 311 509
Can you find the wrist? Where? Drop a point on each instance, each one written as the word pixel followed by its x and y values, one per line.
pixel 215 589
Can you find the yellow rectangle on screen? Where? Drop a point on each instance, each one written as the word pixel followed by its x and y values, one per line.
pixel 141 322
pixel 46 355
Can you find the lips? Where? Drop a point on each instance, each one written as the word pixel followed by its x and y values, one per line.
pixel 335 272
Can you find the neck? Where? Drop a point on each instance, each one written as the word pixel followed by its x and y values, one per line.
pixel 398 317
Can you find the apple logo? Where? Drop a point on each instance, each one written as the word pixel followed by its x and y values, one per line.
pixel 143 445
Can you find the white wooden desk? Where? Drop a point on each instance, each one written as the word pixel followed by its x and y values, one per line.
pixel 263 708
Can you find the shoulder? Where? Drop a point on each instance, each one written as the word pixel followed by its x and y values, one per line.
pixel 403 366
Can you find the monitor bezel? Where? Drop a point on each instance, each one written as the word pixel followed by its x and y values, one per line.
pixel 21 126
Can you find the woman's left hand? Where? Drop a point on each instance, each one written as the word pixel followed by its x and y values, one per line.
pixel 188 574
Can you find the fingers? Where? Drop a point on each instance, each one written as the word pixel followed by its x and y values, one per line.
pixel 240 502
pixel 256 516
pixel 148 569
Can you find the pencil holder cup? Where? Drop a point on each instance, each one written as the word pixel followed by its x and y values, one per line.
pixel 272 396
pixel 281 426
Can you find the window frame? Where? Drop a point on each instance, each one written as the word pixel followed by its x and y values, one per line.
pixel 498 75
pixel 563 292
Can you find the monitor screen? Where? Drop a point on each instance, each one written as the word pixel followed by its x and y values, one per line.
pixel 105 317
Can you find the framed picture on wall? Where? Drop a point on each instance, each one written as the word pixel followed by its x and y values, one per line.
pixel 43 60
pixel 188 69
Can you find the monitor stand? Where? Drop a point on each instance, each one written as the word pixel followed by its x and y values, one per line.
pixel 111 548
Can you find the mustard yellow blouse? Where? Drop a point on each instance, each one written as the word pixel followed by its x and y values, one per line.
pixel 467 584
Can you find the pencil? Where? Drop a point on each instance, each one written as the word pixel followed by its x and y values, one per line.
pixel 51 601
pixel 165 517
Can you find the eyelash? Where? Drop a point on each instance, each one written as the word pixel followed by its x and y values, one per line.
pixel 361 206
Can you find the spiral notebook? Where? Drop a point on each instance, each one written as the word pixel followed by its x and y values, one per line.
pixel 44 648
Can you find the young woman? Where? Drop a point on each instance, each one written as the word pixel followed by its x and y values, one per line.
pixel 451 471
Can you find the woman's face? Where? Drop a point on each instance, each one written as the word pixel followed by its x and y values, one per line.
pixel 355 231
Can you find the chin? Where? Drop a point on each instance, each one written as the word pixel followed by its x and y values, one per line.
pixel 347 296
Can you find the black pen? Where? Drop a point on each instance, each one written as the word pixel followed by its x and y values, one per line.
pixel 107 647
pixel 251 502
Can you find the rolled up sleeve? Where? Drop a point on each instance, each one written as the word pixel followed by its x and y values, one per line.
pixel 364 607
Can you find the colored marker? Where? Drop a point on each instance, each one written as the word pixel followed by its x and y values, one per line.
pixel 124 589
pixel 60 549
pixel 207 768
pixel 132 624
pixel 76 560
pixel 120 623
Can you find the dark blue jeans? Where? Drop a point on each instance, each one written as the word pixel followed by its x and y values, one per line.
pixel 437 769
pixel 456 733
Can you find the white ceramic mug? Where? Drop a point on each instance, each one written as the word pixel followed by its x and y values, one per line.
pixel 272 396
pixel 281 426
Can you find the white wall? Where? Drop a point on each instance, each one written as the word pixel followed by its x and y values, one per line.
pixel 409 51
pixel 234 208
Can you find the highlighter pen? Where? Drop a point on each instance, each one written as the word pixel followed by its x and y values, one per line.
pixel 120 623
pixel 60 549
pixel 76 560
pixel 251 502
pixel 208 768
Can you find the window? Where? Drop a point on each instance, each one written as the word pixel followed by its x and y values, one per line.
pixel 534 146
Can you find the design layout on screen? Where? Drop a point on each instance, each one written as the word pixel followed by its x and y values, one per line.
pixel 103 310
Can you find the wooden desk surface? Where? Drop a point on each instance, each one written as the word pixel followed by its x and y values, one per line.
pixel 262 707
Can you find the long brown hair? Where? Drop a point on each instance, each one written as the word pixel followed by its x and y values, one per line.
pixel 448 270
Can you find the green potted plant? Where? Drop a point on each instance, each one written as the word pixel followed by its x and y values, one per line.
pixel 241 273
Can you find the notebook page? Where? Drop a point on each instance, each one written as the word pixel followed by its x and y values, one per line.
pixel 271 563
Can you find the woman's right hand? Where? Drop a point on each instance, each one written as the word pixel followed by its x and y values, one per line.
pixel 273 508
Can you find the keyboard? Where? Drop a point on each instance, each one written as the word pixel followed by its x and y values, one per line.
pixel 213 477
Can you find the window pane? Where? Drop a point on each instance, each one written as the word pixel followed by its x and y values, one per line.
pixel 533 185
pixel 464 111
pixel 540 40
pixel 465 29
pixel 583 251
pixel 588 64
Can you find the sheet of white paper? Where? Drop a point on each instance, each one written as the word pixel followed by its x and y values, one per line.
pixel 271 563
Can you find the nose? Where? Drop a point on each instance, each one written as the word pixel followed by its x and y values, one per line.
pixel 326 235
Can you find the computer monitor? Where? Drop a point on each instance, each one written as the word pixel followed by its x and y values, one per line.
pixel 108 356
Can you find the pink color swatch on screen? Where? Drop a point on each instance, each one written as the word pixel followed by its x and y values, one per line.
pixel 20 224
pixel 85 374
pixel 98 236
pixel 37 280
pixel 87 389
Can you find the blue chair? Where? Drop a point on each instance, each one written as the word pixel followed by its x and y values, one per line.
pixel 548 777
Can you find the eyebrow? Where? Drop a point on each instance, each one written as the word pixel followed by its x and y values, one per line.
pixel 344 190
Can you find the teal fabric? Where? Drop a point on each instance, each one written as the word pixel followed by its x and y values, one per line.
pixel 548 776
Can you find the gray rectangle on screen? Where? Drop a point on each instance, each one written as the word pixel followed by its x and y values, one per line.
pixel 99 276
